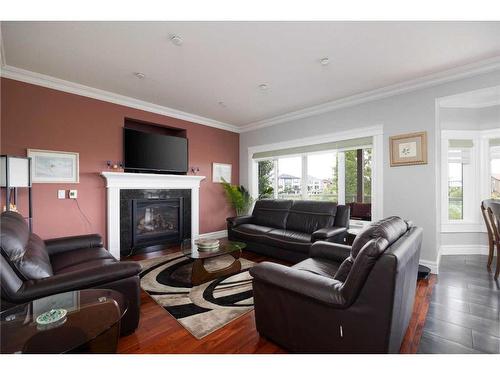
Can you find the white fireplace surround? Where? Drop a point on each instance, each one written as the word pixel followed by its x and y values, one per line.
pixel 119 180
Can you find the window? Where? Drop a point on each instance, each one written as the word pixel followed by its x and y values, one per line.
pixel 266 177
pixel 357 172
pixel 455 191
pixel 290 178
pixel 306 169
pixel 322 176
pixel 470 173
pixel 337 175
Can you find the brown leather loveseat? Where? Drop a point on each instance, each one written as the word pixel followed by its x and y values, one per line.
pixel 343 299
pixel 32 268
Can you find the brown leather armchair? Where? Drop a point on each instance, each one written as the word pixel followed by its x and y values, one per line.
pixel 32 268
pixel 342 299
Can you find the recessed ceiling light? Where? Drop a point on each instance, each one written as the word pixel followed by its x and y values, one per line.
pixel 263 87
pixel 324 61
pixel 140 75
pixel 176 40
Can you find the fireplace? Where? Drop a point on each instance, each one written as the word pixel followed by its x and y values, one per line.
pixel 156 221
pixel 153 219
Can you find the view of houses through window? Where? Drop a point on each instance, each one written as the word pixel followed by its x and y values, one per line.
pixel 342 176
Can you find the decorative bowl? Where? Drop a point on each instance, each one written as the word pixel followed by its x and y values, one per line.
pixel 52 316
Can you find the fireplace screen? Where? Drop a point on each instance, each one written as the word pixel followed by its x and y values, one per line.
pixel 156 220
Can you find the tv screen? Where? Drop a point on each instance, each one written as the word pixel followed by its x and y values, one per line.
pixel 155 152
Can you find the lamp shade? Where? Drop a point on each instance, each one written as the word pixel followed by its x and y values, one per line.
pixel 15 171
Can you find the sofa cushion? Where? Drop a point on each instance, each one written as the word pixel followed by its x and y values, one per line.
pixel 24 250
pixel 309 216
pixel 289 239
pixel 81 258
pixel 252 232
pixel 271 213
pixel 389 229
pixel 370 244
pixel 322 267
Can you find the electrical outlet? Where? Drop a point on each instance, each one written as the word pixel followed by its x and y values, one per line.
pixel 61 194
pixel 73 194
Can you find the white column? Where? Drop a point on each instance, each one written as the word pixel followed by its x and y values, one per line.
pixel 377 177
pixel 113 221
pixel 341 177
pixel 195 212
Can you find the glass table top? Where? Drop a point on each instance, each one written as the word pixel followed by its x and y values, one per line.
pixel 89 313
pixel 191 250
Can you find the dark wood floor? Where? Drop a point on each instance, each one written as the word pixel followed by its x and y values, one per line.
pixel 464 313
pixel 159 332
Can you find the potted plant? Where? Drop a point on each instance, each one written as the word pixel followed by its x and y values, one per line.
pixel 239 197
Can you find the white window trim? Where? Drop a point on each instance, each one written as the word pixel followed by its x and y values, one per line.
pixel 480 171
pixel 377 161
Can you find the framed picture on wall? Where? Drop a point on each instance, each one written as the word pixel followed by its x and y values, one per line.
pixel 54 166
pixel 408 149
pixel 221 172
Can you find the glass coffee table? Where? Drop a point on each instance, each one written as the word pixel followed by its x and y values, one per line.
pixel 200 274
pixel 88 322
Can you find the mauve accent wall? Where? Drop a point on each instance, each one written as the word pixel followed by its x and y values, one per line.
pixel 36 117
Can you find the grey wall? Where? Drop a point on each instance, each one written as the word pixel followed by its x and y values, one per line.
pixel 489 118
pixel 409 191
pixel 470 118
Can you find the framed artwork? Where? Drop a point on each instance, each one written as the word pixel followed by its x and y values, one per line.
pixel 54 166
pixel 408 149
pixel 221 171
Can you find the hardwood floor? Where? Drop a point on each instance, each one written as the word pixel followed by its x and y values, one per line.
pixel 464 312
pixel 158 332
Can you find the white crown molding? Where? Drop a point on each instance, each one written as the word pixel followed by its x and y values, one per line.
pixel 50 82
pixel 461 72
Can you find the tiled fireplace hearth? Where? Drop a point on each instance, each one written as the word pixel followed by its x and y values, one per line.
pixel 146 209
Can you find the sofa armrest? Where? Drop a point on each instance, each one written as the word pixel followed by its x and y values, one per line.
pixel 324 234
pixel 238 220
pixel 81 279
pixel 63 244
pixel 329 250
pixel 308 284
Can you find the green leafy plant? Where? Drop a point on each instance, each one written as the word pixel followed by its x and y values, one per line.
pixel 239 197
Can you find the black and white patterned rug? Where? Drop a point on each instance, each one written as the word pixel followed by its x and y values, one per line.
pixel 201 309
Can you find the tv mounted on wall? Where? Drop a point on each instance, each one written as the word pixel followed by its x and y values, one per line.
pixel 149 152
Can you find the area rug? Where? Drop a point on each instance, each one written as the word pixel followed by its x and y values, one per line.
pixel 204 308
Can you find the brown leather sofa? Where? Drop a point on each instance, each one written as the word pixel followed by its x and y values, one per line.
pixel 286 229
pixel 32 268
pixel 342 299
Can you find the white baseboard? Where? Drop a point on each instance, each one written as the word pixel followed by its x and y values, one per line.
pixel 214 235
pixel 434 266
pixel 463 249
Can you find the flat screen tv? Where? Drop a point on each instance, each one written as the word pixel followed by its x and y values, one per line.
pixel 150 152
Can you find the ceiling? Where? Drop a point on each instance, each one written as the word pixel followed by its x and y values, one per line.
pixel 227 61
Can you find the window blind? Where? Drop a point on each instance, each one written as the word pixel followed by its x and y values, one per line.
pixel 494 142
pixel 460 143
pixel 349 143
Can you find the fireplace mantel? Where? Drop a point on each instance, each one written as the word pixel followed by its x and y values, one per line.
pixel 115 181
